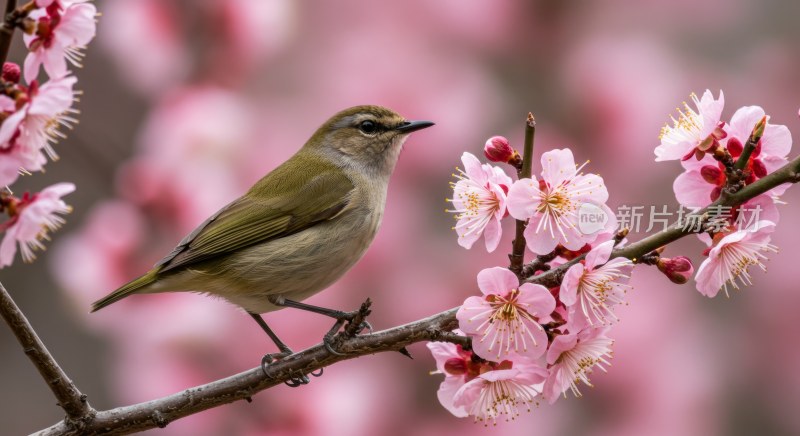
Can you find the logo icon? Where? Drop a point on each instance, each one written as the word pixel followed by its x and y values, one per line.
pixel 591 218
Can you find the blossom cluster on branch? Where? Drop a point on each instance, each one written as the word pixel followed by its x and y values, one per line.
pixel 529 342
pixel 32 114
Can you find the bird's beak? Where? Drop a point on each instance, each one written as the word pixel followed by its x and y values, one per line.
pixel 413 126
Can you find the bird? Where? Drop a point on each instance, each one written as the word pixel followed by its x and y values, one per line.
pixel 296 231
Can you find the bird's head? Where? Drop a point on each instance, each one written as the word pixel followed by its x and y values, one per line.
pixel 369 137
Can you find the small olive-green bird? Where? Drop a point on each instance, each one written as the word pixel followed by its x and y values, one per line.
pixel 298 229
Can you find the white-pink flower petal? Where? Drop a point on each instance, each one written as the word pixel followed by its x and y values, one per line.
pixel 691 128
pixel 728 261
pixel 479 202
pixel 496 393
pixel 591 291
pixel 35 219
pixel 553 205
pixel 572 358
pixel 505 321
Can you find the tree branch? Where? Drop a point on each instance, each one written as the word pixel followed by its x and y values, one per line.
pixel 751 144
pixel 7 30
pixel 12 18
pixel 517 256
pixel 68 396
pixel 242 386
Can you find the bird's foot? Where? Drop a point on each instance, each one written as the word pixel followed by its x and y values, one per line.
pixel 354 323
pixel 293 382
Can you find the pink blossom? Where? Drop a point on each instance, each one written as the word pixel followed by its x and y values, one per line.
pixel 703 180
pixel 552 204
pixel 458 366
pixel 592 288
pixel 485 390
pixel 771 150
pixel 13 157
pixel 500 392
pixel 572 358
pixel 479 202
pixel 62 30
pixel 32 128
pixel 730 257
pixel 36 215
pixel 692 130
pixel 505 320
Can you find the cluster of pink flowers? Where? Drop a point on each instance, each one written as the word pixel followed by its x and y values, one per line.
pixel 529 341
pixel 31 115
pixel 705 144
pixel 483 195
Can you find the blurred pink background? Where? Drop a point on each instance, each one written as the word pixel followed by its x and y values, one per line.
pixel 187 103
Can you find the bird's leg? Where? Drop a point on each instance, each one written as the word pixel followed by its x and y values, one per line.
pixel 356 318
pixel 285 351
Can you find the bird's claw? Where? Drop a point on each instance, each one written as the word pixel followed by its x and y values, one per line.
pixel 297 381
pixel 329 338
pixel 269 358
pixel 356 323
pixel 293 382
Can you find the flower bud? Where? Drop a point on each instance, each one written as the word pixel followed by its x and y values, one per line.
pixel 497 149
pixel 677 269
pixel 11 72
pixel 758 130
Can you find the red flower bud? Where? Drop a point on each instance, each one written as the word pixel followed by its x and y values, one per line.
pixel 11 72
pixel 497 149
pixel 678 269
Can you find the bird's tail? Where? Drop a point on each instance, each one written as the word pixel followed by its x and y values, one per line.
pixel 126 290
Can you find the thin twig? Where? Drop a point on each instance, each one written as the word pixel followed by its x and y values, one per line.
pixel 517 256
pixel 14 17
pixel 751 144
pixel 7 30
pixel 68 396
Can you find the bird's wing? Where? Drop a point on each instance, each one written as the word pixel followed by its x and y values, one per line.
pixel 253 219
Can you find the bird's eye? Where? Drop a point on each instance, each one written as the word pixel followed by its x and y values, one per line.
pixel 368 127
